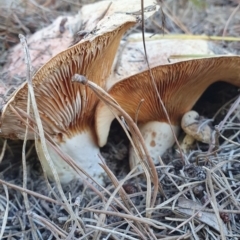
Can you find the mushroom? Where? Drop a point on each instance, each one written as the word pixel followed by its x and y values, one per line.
pixel 196 128
pixel 67 109
pixel 179 85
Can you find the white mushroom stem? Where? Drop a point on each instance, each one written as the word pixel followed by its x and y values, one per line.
pixel 158 137
pixel 83 150
pixel 188 119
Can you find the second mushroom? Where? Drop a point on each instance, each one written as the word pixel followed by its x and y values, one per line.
pixel 179 85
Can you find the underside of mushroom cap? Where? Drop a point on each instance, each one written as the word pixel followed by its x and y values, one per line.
pixel 65 107
pixel 180 85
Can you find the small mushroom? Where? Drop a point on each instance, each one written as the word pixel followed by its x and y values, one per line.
pixel 179 85
pixel 67 109
pixel 196 128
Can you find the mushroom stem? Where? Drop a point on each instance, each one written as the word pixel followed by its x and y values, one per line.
pixel 187 143
pixel 158 137
pixel 74 147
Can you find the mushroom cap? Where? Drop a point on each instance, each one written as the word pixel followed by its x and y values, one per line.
pixel 189 118
pixel 195 127
pixel 66 108
pixel 180 85
pixel 132 59
pixel 43 45
pixel 107 8
pixel 59 35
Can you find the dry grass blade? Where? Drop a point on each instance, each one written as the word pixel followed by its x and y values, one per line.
pixel 126 200
pixel 3 150
pixel 231 110
pixel 5 216
pixel 214 204
pixel 229 19
pixel 26 201
pixel 145 52
pixel 40 196
pixel 192 216
pixel 41 132
pixel 118 189
pixel 150 222
pixel 114 232
pixel 156 90
pixel 57 231
pixel 194 37
pixel 175 19
pixel 132 126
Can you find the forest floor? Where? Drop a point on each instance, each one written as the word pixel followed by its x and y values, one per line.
pixel 215 198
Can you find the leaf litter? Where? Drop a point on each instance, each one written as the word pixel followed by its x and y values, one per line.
pixel 201 198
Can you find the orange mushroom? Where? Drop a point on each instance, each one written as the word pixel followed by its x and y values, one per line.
pixel 179 84
pixel 67 109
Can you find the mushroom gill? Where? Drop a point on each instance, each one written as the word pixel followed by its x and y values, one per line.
pixel 180 85
pixel 67 109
